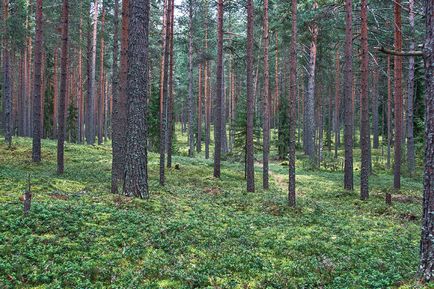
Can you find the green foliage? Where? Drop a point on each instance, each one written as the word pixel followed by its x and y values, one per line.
pixel 199 232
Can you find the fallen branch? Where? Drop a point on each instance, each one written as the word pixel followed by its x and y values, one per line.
pixel 399 53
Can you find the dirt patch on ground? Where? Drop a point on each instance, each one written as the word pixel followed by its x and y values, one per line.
pixel 212 191
pixel 120 200
pixel 406 199
pixel 59 197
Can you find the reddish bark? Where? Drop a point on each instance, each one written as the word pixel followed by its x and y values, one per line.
pixel 397 73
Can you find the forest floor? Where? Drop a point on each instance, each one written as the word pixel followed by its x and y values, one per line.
pixel 200 232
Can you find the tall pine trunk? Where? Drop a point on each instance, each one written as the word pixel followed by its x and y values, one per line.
pixel 337 104
pixel 397 77
pixel 116 134
pixel 63 87
pixel 136 159
pixel 7 89
pixel 101 94
pixel 364 105
pixel 163 101
pixel 411 162
pixel 190 82
pixel 310 97
pixel 292 106
pixel 170 109
pixel 250 169
pixel 375 118
pixel 427 240
pixel 265 108
pixel 37 117
pixel 348 99
pixel 219 91
pixel 90 123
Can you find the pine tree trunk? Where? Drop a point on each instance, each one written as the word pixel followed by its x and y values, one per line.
pixel 80 119
pixel 310 97
pixel 36 145
pixel 411 162
pixel 90 124
pixel 199 112
pixel 136 173
pixel 190 83
pixel 7 89
pixel 250 158
pixel 116 134
pixel 375 95
pixel 219 91
pixel 337 104
pixel 348 103
pixel 63 87
pixel 206 89
pixel 164 96
pixel 364 105
pixel 265 108
pixel 170 110
pixel 119 117
pixel 101 94
pixel 389 112
pixel 397 73
pixel 427 240
pixel 292 105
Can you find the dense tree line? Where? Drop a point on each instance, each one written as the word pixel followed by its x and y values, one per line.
pixel 241 78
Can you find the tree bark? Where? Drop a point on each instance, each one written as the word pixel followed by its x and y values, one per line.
pixel 170 110
pixel 190 82
pixel 427 239
pixel 163 101
pixel 337 104
pixel 37 117
pixel 364 104
pixel 7 90
pixel 116 119
pixel 348 103
pixel 292 106
pixel 310 97
pixel 90 124
pixel 136 173
pixel 101 94
pixel 375 117
pixel 250 158
pixel 397 73
pixel 219 91
pixel 63 87
pixel 199 112
pixel 266 109
pixel 411 162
